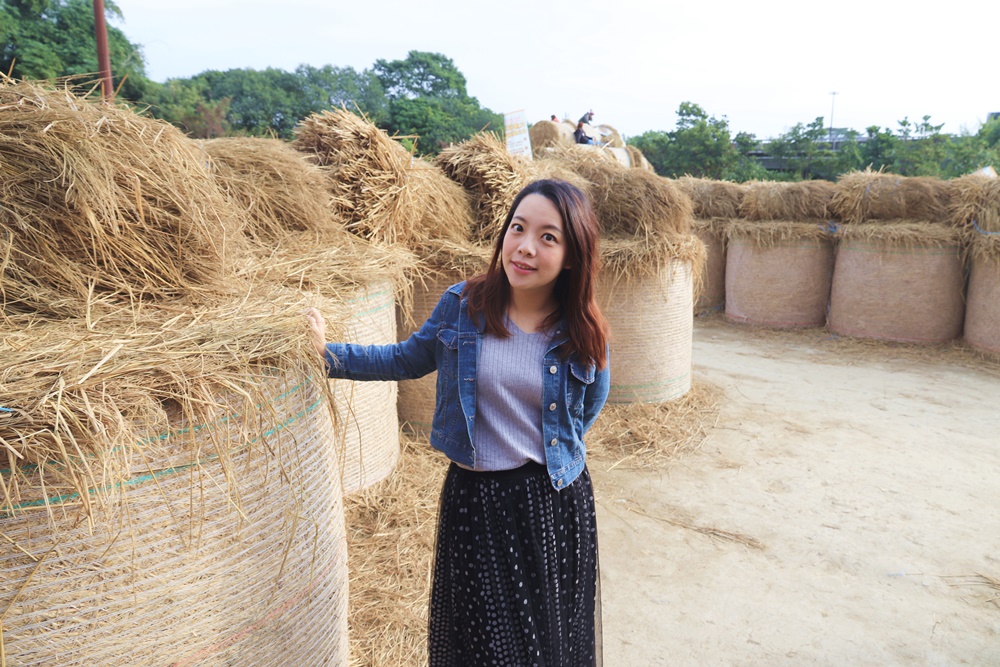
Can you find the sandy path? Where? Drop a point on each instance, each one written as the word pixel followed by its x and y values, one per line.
pixel 872 486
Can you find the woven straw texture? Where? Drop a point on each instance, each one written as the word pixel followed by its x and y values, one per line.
pixel 713 289
pixel 652 324
pixel 784 285
pixel 908 294
pixel 368 425
pixel 982 311
pixel 417 397
pixel 195 560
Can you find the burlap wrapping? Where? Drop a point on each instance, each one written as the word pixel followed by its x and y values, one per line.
pixel 785 284
pixel 982 310
pixel 192 561
pixel 713 291
pixel 652 324
pixel 417 397
pixel 903 293
pixel 368 424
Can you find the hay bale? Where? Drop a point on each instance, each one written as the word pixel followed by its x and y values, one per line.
pixel 442 233
pixel 805 201
pixel 620 155
pixel 103 205
pixel 713 199
pixel 651 335
pixel 975 202
pixel 778 274
pixel 609 136
pixel 490 174
pixel 982 309
pixel 868 196
pixel 712 296
pixel 279 188
pixel 899 282
pixel 368 174
pixel 155 521
pixel 548 133
pixel 637 160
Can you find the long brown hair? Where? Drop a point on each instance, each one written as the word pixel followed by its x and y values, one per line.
pixel 489 293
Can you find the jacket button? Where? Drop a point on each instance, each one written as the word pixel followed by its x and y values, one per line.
pixel 553 442
pixel 552 406
pixel 559 483
pixel 553 369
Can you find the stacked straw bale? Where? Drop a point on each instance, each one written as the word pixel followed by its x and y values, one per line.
pixel 637 160
pixel 547 133
pixel 716 203
pixel 101 205
pixel 492 177
pixel 368 173
pixel 301 243
pixel 609 136
pixel 779 262
pixel 651 263
pixel 975 208
pixel 899 271
pixel 170 490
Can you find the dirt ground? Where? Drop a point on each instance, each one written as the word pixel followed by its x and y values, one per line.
pixel 845 510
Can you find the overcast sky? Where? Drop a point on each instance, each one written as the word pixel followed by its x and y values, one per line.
pixel 765 65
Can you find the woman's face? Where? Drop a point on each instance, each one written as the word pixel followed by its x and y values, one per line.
pixel 534 246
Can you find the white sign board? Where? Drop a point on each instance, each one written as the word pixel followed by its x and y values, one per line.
pixel 515 129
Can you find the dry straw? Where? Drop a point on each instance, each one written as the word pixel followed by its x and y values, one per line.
pixel 491 176
pixel 770 234
pixel 805 201
pixel 101 204
pixel 711 198
pixel 278 187
pixel 368 173
pixel 870 196
pixel 983 246
pixel 546 133
pixel 79 395
pixel 903 233
pixel 636 159
pixel 975 203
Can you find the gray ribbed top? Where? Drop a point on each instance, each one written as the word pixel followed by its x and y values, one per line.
pixel 508 429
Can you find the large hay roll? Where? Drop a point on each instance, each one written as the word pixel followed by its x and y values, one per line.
pixel 804 201
pixel 368 423
pixel 652 325
pixel 103 205
pixel 713 199
pixel 778 274
pixel 975 203
pixel 184 504
pixel 546 133
pixel 609 136
pixel 712 296
pixel 866 196
pixel 621 156
pixel 899 282
pixel 982 309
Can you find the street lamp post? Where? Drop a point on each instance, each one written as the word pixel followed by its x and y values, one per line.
pixel 833 98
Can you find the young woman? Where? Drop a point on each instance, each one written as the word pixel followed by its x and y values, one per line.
pixel 521 356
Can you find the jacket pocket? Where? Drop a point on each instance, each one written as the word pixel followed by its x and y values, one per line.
pixel 580 377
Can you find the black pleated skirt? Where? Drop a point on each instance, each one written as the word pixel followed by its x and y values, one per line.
pixel 515 572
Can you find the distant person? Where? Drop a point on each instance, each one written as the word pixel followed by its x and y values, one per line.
pixel 554 119
pixel 587 117
pixel 580 136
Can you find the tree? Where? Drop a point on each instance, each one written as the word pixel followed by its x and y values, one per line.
pixel 266 102
pixel 422 74
pixel 48 39
pixel 185 103
pixel 331 87
pixel 746 167
pixel 699 146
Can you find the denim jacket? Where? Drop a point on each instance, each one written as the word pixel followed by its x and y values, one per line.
pixel 449 342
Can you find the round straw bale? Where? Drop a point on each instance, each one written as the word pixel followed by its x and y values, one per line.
pixel 778 274
pixel 804 201
pixel 620 155
pixel 491 175
pixel 100 203
pixel 609 136
pixel 975 202
pixel 278 187
pixel 711 198
pixel 713 293
pixel 898 281
pixel 637 160
pixel 368 173
pixel 548 133
pixel 867 196
pixel 651 339
pixel 982 310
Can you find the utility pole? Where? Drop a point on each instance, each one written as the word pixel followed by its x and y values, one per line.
pixel 833 98
pixel 103 57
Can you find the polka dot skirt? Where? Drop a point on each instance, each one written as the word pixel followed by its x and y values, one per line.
pixel 515 572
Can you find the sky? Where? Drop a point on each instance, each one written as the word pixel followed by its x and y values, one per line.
pixel 765 66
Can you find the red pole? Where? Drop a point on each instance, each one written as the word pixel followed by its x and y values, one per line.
pixel 103 57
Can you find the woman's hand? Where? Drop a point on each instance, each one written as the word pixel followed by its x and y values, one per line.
pixel 317 329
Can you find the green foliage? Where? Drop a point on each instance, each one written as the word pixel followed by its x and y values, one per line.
pixel 185 103
pixel 746 167
pixel 422 74
pixel 47 39
pixel 700 146
pixel 331 87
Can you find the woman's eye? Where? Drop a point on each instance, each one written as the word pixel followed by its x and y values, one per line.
pixel 549 238
pixel 516 227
